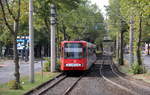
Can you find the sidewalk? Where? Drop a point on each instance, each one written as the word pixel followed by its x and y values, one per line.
pixel 7 69
pixel 146 62
pixel 145 58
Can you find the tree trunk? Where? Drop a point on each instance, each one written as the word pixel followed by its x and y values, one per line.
pixel 139 43
pixel 101 46
pixel 16 61
pixel 14 36
pixel 121 49
pixel 15 52
pixel 1 45
pixel 148 49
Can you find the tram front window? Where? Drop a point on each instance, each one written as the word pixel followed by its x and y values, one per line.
pixel 73 51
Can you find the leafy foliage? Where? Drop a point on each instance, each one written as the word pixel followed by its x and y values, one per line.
pixel 58 63
pixel 14 85
pixel 47 65
pixel 124 10
pixel 77 19
pixel 137 69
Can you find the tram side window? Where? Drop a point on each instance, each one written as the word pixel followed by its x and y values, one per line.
pixel 89 51
pixel 62 52
pixel 84 51
pixel 92 51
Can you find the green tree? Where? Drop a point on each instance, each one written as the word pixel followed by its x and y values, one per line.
pixel 117 27
pixel 139 8
pixel 122 10
pixel 15 15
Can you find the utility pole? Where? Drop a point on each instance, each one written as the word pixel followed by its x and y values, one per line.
pixel 31 42
pixel 53 30
pixel 131 60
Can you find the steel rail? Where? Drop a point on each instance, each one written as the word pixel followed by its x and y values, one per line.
pixel 124 79
pixel 72 86
pixel 41 85
pixel 114 83
pixel 51 86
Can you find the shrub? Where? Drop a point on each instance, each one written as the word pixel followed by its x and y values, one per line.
pixel 14 85
pixel 137 69
pixel 58 65
pixel 47 65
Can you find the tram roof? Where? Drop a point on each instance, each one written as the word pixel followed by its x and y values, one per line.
pixel 88 43
pixel 74 42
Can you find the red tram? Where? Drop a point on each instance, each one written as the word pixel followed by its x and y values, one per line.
pixel 77 55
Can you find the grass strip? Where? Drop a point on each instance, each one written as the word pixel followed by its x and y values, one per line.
pixel 5 90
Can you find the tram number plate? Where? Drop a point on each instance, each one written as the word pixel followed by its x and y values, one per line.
pixel 73 65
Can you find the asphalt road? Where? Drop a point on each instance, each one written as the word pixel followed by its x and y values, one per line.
pixel 7 70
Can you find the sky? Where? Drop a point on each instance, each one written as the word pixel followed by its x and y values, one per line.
pixel 101 4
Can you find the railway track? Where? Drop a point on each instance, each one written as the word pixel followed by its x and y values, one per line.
pixel 127 78
pixel 72 86
pixel 44 86
pixel 111 75
pixel 104 72
pixel 51 87
pixel 64 87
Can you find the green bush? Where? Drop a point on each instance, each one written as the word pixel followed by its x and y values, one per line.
pixel 47 65
pixel 14 85
pixel 58 65
pixel 137 69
